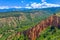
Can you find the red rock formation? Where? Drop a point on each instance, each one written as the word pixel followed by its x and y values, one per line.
pixel 34 32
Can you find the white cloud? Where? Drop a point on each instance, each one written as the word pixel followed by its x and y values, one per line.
pixel 17 7
pixel 7 7
pixel 43 5
pixel 35 5
pixel 4 7
pixel 28 7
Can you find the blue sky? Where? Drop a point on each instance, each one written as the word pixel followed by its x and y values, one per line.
pixel 23 3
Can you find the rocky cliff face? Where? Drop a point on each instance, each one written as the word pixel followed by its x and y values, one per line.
pixel 34 32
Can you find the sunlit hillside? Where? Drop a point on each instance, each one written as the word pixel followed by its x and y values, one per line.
pixel 13 24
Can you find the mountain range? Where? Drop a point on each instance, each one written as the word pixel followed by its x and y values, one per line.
pixel 52 9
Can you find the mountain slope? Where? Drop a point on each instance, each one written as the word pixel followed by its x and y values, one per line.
pixel 13 25
pixel 35 31
pixel 16 22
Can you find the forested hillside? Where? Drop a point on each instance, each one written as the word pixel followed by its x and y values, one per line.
pixel 14 24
